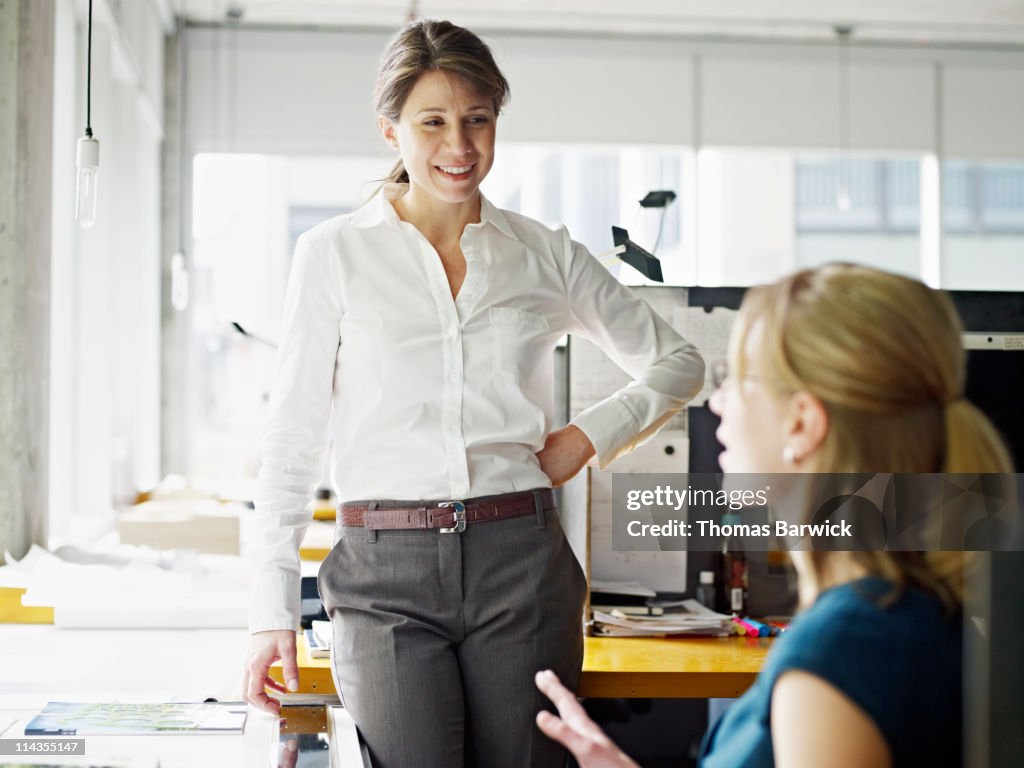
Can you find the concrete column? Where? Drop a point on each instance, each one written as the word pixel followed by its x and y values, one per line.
pixel 174 417
pixel 26 145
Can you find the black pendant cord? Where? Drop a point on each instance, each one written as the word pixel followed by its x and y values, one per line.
pixel 661 226
pixel 88 79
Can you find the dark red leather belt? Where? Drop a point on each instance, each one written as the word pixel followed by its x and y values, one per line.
pixel 448 516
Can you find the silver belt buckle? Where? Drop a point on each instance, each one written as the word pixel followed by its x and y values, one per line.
pixel 460 516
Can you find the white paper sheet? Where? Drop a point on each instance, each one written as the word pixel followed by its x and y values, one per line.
pixel 709 332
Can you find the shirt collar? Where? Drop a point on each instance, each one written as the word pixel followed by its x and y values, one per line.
pixel 491 214
pixel 380 210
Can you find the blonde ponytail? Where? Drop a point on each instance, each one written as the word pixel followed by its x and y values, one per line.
pixel 972 442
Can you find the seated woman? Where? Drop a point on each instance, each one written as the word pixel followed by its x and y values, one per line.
pixel 842 369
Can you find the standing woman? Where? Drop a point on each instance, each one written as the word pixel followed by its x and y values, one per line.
pixel 421 330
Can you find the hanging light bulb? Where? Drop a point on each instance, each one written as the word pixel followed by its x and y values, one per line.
pixel 88 154
pixel 88 175
pixel 179 282
pixel 843 201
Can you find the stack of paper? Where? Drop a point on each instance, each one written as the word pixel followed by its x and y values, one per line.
pixel 688 617
pixel 133 587
pixel 206 526
pixel 318 638
pixel 62 718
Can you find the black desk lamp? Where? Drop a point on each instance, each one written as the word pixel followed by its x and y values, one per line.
pixel 643 261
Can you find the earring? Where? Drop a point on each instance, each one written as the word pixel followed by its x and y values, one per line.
pixel 789 455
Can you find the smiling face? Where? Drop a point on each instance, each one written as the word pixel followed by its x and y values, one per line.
pixel 445 134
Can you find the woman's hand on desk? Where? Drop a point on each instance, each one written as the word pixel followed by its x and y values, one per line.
pixel 575 730
pixel 264 649
pixel 565 452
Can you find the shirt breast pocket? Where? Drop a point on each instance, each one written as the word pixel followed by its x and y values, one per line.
pixel 517 337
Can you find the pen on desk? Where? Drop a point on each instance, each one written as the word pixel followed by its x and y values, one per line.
pixel 763 630
pixel 748 630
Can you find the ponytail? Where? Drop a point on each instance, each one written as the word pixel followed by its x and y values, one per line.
pixel 397 175
pixel 972 443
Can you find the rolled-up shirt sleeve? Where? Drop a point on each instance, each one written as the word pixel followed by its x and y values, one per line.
pixel 667 370
pixel 295 436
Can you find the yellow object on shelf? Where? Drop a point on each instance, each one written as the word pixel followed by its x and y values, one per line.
pixel 324 505
pixel 685 667
pixel 13 612
pixel 314 674
pixel 623 667
pixel 318 541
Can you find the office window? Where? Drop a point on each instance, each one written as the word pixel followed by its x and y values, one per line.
pixel 247 213
pixel 983 225
pixel 958 197
pixel 865 210
pixel 764 212
pixel 836 194
pixel 1002 196
pixel 902 207
pixel 590 189
pixel 983 198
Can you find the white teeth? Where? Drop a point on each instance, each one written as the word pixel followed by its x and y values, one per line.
pixel 455 170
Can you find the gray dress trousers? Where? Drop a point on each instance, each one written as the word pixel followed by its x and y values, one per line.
pixel 437 638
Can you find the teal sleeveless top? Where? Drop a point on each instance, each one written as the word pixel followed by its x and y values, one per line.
pixel 901 665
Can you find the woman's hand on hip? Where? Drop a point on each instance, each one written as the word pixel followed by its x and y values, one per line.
pixel 564 454
pixel 574 730
pixel 264 649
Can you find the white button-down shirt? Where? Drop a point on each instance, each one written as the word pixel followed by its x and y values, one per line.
pixel 427 397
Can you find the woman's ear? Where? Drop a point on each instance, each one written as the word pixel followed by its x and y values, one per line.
pixel 387 130
pixel 807 426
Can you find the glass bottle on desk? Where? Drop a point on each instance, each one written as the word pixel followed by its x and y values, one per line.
pixel 734 568
pixel 706 589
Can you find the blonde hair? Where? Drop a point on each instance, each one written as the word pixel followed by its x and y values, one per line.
pixel 425 46
pixel 883 354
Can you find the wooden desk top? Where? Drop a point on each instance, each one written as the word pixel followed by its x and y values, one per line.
pixel 677 668
pixel 626 667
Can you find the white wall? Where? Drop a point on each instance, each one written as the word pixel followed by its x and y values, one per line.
pixel 983 109
pixel 790 98
pixel 301 91
pixel 895 253
pixel 745 204
pixel 281 92
pixel 105 304
pixel 993 263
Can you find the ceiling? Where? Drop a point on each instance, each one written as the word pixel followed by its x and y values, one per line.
pixel 919 22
